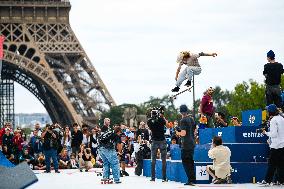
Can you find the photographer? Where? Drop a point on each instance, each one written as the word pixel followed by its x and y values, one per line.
pixel 221 168
pixel 50 146
pixel 220 120
pixel 276 143
pixel 186 132
pixel 157 124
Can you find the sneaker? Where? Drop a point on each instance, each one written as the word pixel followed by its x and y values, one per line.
pixel 121 174
pixel 152 179
pixel 220 181
pixel 188 83
pixel 46 171
pixel 81 170
pixel 86 170
pixel 264 183
pixel 57 171
pixel 189 184
pixel 176 89
pixel 165 180
pixel 214 180
pixel 229 180
pixel 125 173
pixel 117 182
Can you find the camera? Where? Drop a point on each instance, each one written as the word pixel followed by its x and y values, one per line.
pixel 50 127
pixel 157 112
pixel 178 129
pixel 264 127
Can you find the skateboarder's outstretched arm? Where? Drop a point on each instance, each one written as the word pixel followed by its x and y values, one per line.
pixel 207 54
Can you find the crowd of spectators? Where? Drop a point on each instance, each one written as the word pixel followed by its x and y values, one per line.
pixel 77 146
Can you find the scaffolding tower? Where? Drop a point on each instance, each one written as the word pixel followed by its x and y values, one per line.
pixel 7 102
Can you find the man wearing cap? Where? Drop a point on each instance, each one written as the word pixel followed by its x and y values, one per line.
pixel 272 72
pixel 276 144
pixel 186 132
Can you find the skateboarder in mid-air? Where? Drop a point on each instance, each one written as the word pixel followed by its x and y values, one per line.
pixel 191 61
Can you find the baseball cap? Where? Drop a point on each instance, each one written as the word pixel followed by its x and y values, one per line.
pixel 183 108
pixel 271 108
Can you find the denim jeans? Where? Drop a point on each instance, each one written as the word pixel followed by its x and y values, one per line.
pixel 0 68
pixel 273 95
pixel 52 153
pixel 162 145
pixel 69 150
pixel 110 160
pixel 187 73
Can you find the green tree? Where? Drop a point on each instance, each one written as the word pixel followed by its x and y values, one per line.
pixel 246 96
pixel 115 113
pixel 171 112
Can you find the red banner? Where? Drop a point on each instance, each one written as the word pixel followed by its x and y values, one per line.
pixel 2 38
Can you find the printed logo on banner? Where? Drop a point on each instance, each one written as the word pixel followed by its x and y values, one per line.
pixel 251 119
pixel 220 134
pixel 253 135
pixel 201 173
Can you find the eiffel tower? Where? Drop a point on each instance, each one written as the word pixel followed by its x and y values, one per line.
pixel 42 53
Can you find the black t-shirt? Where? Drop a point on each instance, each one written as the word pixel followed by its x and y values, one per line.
pixel 77 138
pixel 187 141
pixel 144 134
pixel 50 142
pixel 85 158
pixel 273 72
pixel 157 126
pixel 112 138
pixel 220 124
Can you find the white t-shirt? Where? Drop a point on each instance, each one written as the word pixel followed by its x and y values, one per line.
pixel 85 139
pixel 191 61
pixel 276 133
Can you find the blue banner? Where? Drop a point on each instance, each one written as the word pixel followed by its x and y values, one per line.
pixel 252 117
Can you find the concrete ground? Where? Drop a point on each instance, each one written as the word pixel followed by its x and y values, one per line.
pixel 74 179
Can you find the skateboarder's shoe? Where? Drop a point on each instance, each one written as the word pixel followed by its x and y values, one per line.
pixel 125 173
pixel 188 83
pixel 176 89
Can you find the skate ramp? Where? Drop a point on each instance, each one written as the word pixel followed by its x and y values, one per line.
pixel 4 161
pixel 18 177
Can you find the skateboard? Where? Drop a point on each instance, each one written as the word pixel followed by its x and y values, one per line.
pixel 107 181
pixel 173 97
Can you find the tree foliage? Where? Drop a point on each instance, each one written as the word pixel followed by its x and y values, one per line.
pixel 171 112
pixel 246 96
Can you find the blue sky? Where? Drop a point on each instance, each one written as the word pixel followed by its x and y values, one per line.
pixel 133 44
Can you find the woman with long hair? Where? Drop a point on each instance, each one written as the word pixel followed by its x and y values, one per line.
pixel 66 140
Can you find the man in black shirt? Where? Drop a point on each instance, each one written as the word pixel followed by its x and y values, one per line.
pixel 50 145
pixel 220 120
pixel 272 72
pixel 157 125
pixel 186 132
pixel 107 141
pixel 76 139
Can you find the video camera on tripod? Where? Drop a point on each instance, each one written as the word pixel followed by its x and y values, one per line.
pixel 157 112
pixel 264 127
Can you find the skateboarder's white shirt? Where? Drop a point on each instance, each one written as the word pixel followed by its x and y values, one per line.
pixel 276 133
pixel 191 61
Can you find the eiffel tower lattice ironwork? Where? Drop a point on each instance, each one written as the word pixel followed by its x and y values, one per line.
pixel 42 53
